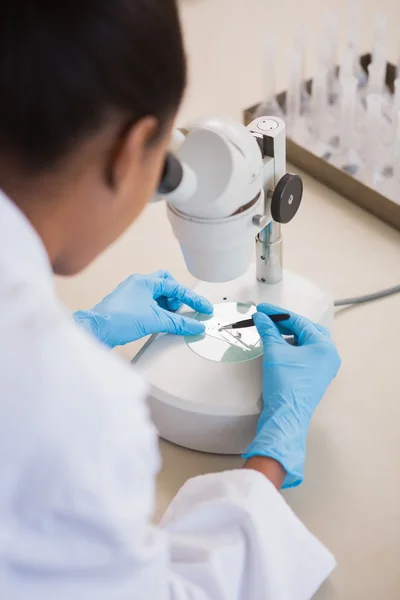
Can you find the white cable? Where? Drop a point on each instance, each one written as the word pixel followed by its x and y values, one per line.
pixel 369 297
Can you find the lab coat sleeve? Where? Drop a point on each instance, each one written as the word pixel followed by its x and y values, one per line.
pixel 232 535
pixel 78 498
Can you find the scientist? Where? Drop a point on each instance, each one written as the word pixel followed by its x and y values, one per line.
pixel 89 92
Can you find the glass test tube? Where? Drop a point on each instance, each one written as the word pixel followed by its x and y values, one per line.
pixel 396 102
pixel 300 46
pixel 347 64
pixel 349 86
pixel 269 106
pixel 373 136
pixel 354 24
pixel 346 157
pixel 396 166
pixel 320 103
pixel 355 17
pixel 377 68
pixel 293 101
pixel 329 53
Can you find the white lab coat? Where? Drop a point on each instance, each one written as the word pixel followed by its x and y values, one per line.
pixel 78 464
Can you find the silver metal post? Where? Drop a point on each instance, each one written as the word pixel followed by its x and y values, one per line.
pixel 269 249
pixel 271 136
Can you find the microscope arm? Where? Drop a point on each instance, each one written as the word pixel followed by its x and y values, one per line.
pixel 225 185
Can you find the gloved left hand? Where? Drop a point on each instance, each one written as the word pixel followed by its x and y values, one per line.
pixel 295 380
pixel 143 305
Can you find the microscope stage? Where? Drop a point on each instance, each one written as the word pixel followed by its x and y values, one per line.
pixel 206 391
pixel 229 345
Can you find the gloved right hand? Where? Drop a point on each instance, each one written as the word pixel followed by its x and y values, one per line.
pixel 295 380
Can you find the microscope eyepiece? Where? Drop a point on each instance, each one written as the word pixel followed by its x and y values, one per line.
pixel 172 175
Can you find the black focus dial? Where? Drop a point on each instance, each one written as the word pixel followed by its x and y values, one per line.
pixel 286 198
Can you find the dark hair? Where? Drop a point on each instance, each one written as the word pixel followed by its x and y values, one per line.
pixel 67 67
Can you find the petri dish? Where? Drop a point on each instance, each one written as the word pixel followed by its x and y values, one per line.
pixel 235 346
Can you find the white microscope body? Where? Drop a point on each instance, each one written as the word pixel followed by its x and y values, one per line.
pixel 227 187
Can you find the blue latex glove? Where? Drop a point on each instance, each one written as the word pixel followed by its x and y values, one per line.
pixel 295 380
pixel 142 305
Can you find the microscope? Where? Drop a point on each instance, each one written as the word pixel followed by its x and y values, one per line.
pixel 226 188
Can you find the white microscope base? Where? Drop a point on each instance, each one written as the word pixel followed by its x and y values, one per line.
pixel 214 407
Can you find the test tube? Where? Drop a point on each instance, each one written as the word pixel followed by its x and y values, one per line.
pixel 269 75
pixel 396 165
pixel 329 54
pixel 320 103
pixel 354 21
pixel 376 77
pixel 380 36
pixel 300 49
pixel 347 64
pixel 373 135
pixel 377 68
pixel 396 102
pixel 398 64
pixel 354 24
pixel 269 106
pixel 389 133
pixel 293 102
pixel 349 86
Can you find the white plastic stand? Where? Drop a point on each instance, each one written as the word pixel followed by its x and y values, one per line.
pixel 210 406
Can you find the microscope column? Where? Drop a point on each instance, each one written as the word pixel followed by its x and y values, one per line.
pixel 269 252
pixel 269 249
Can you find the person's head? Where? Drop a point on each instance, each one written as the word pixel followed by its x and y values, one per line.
pixel 89 92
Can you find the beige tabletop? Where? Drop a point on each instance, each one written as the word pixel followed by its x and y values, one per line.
pixel 351 496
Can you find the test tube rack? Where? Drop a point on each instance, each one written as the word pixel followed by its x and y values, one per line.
pixel 359 193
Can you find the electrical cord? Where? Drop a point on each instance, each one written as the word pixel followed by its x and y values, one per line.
pixel 369 297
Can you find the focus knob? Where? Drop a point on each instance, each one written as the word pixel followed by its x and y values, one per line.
pixel 286 198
